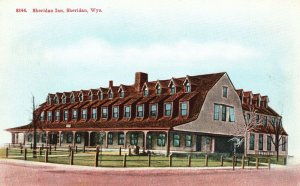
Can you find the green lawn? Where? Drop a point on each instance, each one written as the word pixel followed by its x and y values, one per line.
pixel 112 159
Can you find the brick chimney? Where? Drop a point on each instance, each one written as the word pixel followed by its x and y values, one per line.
pixel 111 83
pixel 140 79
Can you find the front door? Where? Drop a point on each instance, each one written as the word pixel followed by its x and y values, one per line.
pixel 149 141
pixel 198 142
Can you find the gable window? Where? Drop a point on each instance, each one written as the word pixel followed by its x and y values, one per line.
pixel 176 140
pixel 91 96
pixel 127 111
pixel 283 144
pixel 64 100
pixel 57 114
pixel 84 113
pixel 161 140
pixel 252 140
pixel 261 142
pixel 80 97
pixel 257 118
pixel 74 114
pixel 168 109
pixel 224 110
pixel 66 115
pixel 134 138
pixel 72 99
pixel 110 138
pixel 110 94
pixel 49 115
pixel 231 114
pixel 145 91
pixel 269 140
pixel 187 87
pixel 78 138
pixel 172 88
pixel 121 94
pixel 216 111
pixel 116 112
pixel 140 111
pixel 120 138
pixel 94 113
pixel 183 109
pixel 188 140
pixel 153 110
pixel 48 100
pixel 56 101
pixel 100 95
pixel 42 116
pixel 225 92
pixel 104 112
pixel 158 90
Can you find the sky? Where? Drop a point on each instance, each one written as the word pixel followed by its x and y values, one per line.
pixel 257 43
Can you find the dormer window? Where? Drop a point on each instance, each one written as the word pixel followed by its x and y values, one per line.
pixel 258 102
pixel 153 110
pixel 145 91
pixel 104 112
pixel 91 96
pixel 127 111
pixel 49 116
pixel 225 89
pixel 84 114
pixel 74 114
pixel 56 101
pixel 64 100
pixel 168 109
pixel 101 95
pixel 121 94
pixel 42 116
pixel 94 113
pixel 172 88
pixel 110 94
pixel 57 115
pixel 72 98
pixel 66 113
pixel 80 97
pixel 158 90
pixel 187 87
pixel 48 100
pixel 183 109
pixel 140 111
pixel 115 112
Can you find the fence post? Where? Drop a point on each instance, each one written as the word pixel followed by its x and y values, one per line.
pixel 233 162
pixel 243 162
pixel 25 154
pixel 222 161
pixel 46 155
pixel 149 160
pixel 257 162
pixel 124 160
pixel 269 163
pixel 189 160
pixel 120 151
pixel 40 148
pixel 97 156
pixel 72 158
pixel 76 149
pixel 6 152
pixel 206 160
pixel 170 160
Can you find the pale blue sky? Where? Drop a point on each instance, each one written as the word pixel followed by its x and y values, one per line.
pixel 255 42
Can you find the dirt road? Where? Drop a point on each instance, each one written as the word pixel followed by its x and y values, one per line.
pixel 26 173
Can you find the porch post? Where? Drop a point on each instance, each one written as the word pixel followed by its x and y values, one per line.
pixel 17 138
pixel 125 139
pixel 59 138
pixel 47 138
pixel 74 132
pixel 89 144
pixel 106 139
pixel 212 144
pixel 12 137
pixel 168 142
pixel 24 136
pixel 145 139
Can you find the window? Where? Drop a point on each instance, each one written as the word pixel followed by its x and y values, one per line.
pixel 161 140
pixel 283 144
pixel 273 121
pixel 42 116
pixel 183 109
pixel 94 113
pixel 64 100
pixel 216 111
pixel 110 138
pixel 120 138
pixel 187 87
pixel 133 138
pixel 231 114
pixel 72 98
pixel 188 140
pixel 257 118
pixel 78 138
pixel 91 96
pixel 110 94
pixel 265 120
pixel 100 95
pixel 49 100
pixel 80 97
pixel 207 140
pixel 37 138
pixel 153 110
pixel 116 112
pixel 104 112
pixel 100 138
pixel 261 142
pixel 44 137
pixel 49 117
pixel 69 138
pixel 84 113
pixel 29 138
pixel 66 115
pixel 225 89
pixel 140 111
pixel 121 94
pixel 168 109
pixel 224 113
pixel 252 140
pixel 176 140
pixel 172 88
pixel 247 117
pixel 57 114
pixel 145 91
pixel 127 111
pixel 74 114
pixel 269 140
pixel 158 90
pixel 56 101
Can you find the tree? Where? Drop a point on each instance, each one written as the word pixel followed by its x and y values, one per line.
pixel 276 132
